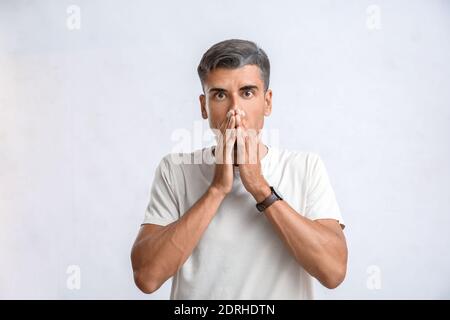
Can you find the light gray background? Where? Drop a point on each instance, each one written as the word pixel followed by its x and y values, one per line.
pixel 86 115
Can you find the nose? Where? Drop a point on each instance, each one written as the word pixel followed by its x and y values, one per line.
pixel 235 107
pixel 236 111
pixel 234 102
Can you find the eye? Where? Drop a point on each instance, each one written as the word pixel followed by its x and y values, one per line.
pixel 248 93
pixel 220 95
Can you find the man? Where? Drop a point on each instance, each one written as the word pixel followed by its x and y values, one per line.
pixel 202 225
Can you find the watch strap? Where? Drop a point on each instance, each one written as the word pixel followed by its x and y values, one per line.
pixel 267 202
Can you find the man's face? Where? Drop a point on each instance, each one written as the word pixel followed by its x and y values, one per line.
pixel 242 88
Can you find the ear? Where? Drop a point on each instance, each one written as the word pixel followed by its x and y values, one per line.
pixel 202 99
pixel 268 102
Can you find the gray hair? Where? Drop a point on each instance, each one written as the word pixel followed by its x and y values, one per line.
pixel 233 54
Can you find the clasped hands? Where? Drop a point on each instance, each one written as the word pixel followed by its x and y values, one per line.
pixel 238 145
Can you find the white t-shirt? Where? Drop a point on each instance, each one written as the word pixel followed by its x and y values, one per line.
pixel 240 255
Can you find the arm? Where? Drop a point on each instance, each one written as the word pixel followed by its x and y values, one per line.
pixel 159 251
pixel 319 246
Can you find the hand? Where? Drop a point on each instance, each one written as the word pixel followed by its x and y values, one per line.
pixel 223 172
pixel 248 158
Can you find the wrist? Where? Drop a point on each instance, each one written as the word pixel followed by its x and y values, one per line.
pixel 216 192
pixel 261 192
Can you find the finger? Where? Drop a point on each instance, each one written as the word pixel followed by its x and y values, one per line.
pixel 242 118
pixel 226 123
pixel 219 132
pixel 232 129
pixel 257 150
pixel 223 130
pixel 244 123
pixel 230 116
pixel 247 150
pixel 240 141
pixel 230 113
pixel 229 139
pixel 238 120
pixel 221 141
pixel 252 146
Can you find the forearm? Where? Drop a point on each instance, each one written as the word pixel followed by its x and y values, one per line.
pixel 319 250
pixel 158 256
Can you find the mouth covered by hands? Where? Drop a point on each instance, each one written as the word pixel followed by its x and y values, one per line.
pixel 238 143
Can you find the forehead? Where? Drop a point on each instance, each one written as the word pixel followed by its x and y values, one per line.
pixel 222 77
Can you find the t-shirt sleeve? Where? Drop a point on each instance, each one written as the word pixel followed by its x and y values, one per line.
pixel 162 208
pixel 320 199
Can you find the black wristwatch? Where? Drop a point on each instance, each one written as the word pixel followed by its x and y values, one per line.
pixel 274 196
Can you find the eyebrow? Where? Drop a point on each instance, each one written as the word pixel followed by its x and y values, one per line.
pixel 247 87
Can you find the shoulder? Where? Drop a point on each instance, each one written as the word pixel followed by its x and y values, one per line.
pixel 293 163
pixel 178 162
pixel 170 164
pixel 304 159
